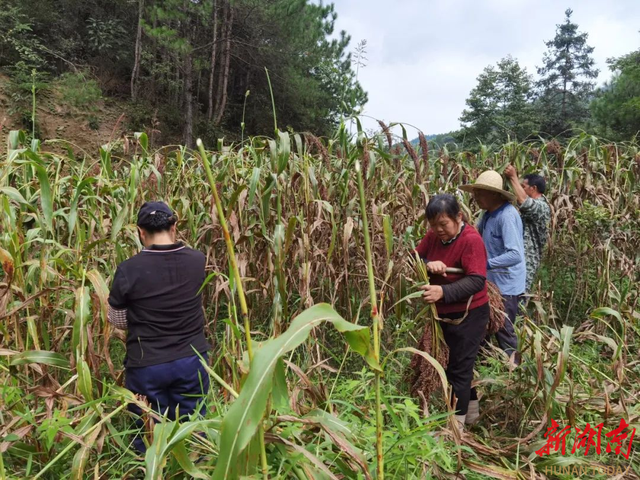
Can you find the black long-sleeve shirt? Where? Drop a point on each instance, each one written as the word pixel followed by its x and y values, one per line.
pixel 462 289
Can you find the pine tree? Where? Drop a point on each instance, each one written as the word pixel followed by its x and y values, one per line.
pixel 566 79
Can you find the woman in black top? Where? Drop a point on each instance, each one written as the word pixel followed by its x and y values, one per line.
pixel 155 297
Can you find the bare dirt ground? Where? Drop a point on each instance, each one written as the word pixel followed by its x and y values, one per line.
pixel 85 130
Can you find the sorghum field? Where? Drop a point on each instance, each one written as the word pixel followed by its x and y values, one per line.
pixel 315 274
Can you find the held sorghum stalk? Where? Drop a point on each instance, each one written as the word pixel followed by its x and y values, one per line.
pixel 375 318
pixel 236 274
pixel 438 336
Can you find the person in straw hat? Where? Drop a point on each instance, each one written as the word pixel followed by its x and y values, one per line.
pixel 502 233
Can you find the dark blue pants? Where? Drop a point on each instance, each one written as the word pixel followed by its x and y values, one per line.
pixel 179 385
pixel 507 338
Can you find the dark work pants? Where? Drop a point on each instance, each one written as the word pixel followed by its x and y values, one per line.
pixel 507 339
pixel 180 384
pixel 464 341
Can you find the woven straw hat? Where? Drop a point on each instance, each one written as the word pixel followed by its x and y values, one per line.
pixel 489 180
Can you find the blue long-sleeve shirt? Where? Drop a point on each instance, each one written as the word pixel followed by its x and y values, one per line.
pixel 502 233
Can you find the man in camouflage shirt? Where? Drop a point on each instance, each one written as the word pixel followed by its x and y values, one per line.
pixel 536 215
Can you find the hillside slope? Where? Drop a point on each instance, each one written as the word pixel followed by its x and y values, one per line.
pixel 86 126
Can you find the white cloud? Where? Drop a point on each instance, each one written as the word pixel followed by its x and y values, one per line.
pixel 424 56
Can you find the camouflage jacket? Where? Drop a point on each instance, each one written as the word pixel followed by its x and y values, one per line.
pixel 536 215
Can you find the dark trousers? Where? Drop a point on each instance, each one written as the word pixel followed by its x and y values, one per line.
pixel 178 385
pixel 464 341
pixel 507 339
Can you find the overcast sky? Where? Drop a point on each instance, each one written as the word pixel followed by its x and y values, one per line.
pixel 424 55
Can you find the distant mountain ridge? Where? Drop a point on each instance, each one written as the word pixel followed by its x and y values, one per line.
pixel 439 138
pixel 429 138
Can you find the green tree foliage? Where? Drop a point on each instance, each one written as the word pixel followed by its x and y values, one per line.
pixel 499 106
pixel 566 80
pixel 18 43
pixel 616 109
pixel 193 54
pixel 21 53
pixel 312 75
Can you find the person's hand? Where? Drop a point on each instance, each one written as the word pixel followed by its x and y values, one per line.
pixel 437 267
pixel 510 172
pixel 432 293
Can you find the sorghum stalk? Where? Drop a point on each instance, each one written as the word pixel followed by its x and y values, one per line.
pixel 236 274
pixel 377 324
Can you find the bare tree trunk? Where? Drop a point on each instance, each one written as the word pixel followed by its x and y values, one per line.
pixel 188 33
pixel 221 61
pixel 137 54
pixel 197 91
pixel 227 61
pixel 563 113
pixel 564 90
pixel 214 48
pixel 188 101
pixel 159 55
pixel 177 90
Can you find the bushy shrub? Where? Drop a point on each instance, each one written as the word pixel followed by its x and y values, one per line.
pixel 79 90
